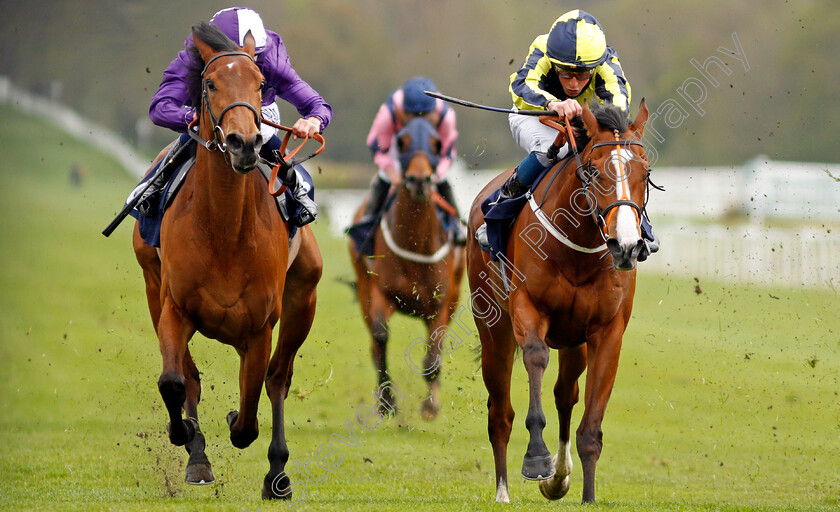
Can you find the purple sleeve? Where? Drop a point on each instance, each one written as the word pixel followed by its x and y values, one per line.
pixel 168 108
pixel 279 74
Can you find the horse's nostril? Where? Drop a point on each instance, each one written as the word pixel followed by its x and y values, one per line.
pixel 614 247
pixel 235 143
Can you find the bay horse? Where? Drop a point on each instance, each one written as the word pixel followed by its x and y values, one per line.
pixel 416 268
pixel 225 267
pixel 569 286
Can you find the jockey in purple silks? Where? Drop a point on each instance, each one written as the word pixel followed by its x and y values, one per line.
pixel 170 106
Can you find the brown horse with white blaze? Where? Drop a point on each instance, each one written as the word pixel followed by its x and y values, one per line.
pixel 416 268
pixel 571 286
pixel 225 267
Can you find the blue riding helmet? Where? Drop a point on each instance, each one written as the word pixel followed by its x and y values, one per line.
pixel 415 101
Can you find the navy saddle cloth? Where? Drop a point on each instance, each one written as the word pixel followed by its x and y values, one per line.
pixel 363 234
pixel 500 217
pixel 160 201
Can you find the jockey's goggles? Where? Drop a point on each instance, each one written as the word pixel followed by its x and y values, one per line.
pixel 567 73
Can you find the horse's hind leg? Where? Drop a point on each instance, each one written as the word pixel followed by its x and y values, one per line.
pixel 572 364
pixel 299 299
pixel 497 350
pixel 432 363
pixel 198 470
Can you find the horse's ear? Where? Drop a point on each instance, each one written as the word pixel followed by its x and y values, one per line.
pixel 203 48
pixel 250 44
pixel 435 144
pixel 589 121
pixel 404 142
pixel 638 125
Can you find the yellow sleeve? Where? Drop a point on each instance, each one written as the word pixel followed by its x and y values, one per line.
pixel 525 84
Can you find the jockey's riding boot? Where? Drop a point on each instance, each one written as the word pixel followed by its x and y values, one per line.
pixel 445 191
pixel 513 187
pixel 650 239
pixel 378 192
pixel 300 190
pixel 160 176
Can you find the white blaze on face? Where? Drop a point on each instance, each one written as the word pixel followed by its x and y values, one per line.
pixel 626 228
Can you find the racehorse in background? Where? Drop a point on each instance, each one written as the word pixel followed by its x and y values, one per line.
pixel 227 269
pixel 415 267
pixel 566 281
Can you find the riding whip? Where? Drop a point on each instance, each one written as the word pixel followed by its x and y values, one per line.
pixel 165 172
pixel 470 104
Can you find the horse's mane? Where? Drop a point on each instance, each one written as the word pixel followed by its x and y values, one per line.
pixel 612 118
pixel 215 39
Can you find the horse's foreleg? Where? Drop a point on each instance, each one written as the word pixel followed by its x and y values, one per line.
pixel 298 313
pixel 603 350
pixel 497 351
pixel 572 364
pixel 198 470
pixel 174 332
pixel 377 316
pixel 253 361
pixel 529 329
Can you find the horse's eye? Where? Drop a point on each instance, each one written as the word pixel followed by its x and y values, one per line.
pixel 262 85
pixel 211 86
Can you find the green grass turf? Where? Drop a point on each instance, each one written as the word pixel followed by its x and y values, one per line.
pixel 725 400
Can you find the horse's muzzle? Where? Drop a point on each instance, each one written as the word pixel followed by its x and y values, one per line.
pixel 625 256
pixel 244 152
pixel 419 189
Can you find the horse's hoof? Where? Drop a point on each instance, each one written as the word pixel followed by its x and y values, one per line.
pixel 200 474
pixel 537 468
pixel 231 418
pixel 277 488
pixel 244 437
pixel 552 491
pixel 429 410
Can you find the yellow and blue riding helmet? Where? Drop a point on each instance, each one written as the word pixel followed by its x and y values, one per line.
pixel 576 42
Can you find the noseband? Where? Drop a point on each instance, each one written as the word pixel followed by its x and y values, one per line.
pixel 218 141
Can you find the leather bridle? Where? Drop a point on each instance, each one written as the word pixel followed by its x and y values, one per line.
pixel 603 217
pixel 218 140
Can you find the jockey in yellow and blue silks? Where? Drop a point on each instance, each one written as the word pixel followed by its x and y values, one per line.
pixel 574 48
pixel 569 66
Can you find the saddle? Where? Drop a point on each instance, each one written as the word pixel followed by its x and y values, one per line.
pixel 150 213
pixel 363 233
pixel 500 216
